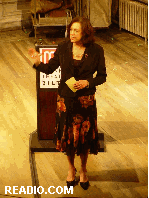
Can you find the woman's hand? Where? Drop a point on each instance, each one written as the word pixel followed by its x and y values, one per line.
pixel 80 84
pixel 34 55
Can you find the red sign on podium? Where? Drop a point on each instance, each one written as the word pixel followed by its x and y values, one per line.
pixel 51 80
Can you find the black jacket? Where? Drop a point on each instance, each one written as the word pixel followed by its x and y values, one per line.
pixel 92 60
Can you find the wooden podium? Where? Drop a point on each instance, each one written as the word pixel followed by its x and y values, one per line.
pixel 46 95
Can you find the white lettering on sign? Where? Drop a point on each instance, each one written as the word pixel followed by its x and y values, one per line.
pixel 51 80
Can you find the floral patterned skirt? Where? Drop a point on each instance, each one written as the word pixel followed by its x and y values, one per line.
pixel 76 125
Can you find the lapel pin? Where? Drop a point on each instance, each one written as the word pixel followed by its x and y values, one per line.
pixel 86 55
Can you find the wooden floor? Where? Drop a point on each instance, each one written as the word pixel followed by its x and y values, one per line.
pixel 119 172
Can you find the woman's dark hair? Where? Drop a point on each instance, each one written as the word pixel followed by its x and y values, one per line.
pixel 87 30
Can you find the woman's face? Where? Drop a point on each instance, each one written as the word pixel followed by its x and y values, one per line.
pixel 75 32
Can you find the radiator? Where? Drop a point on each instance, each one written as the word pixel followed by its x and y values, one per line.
pixel 133 16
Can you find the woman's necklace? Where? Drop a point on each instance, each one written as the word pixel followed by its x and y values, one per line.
pixel 78 52
pixel 77 55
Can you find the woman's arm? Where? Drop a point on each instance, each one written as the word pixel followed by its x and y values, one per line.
pixel 101 71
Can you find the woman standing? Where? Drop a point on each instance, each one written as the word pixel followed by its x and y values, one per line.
pixel 76 115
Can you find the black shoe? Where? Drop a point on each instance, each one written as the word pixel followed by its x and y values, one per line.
pixel 71 183
pixel 84 185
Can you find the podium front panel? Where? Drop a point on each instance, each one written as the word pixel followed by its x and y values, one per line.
pixel 47 86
